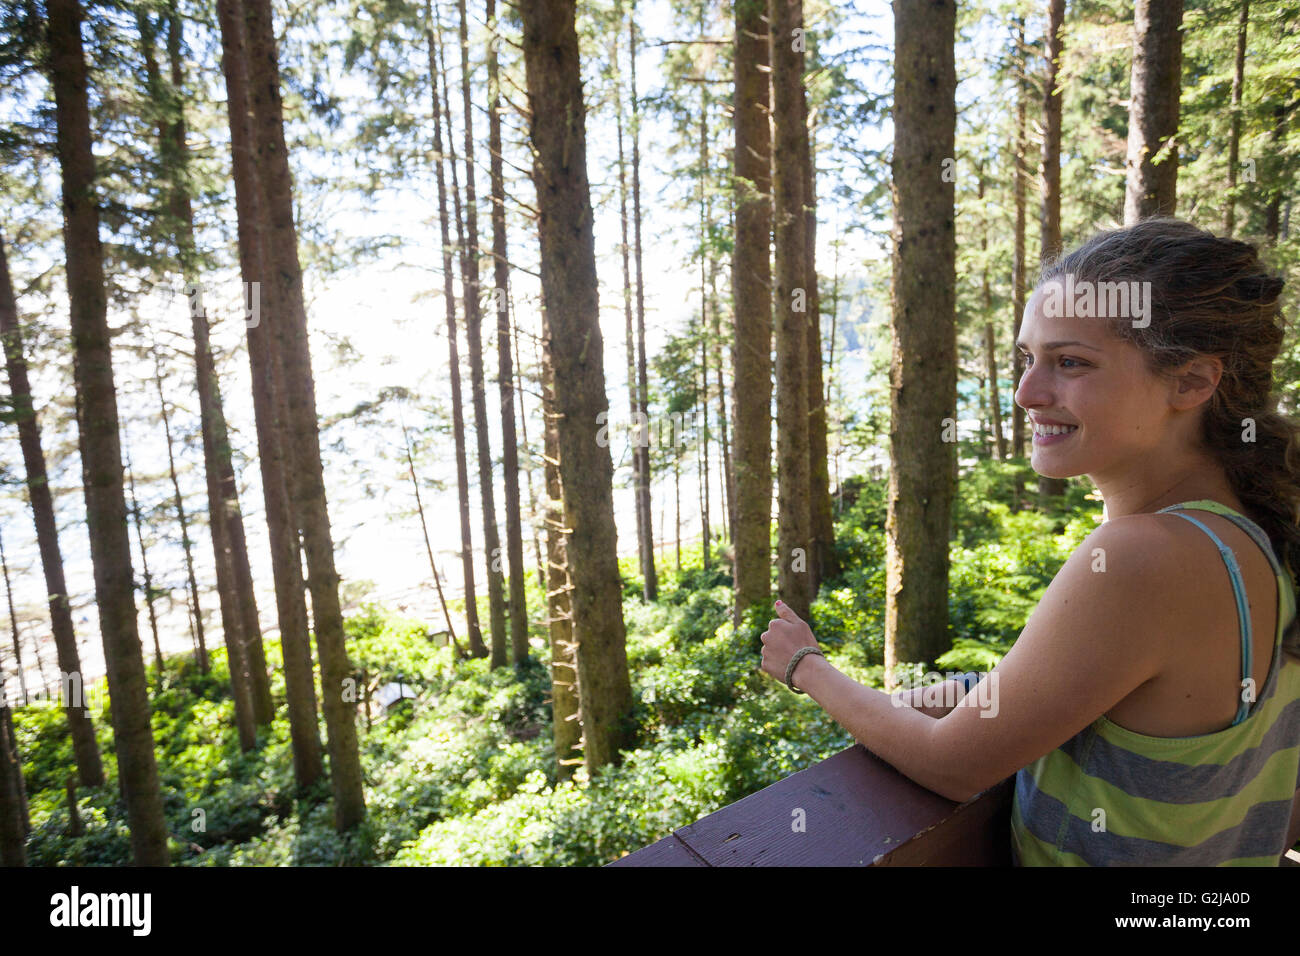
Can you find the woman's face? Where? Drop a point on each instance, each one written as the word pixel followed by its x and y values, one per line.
pixel 1078 373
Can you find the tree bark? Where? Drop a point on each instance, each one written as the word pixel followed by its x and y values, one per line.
pixel 240 623
pixel 280 253
pixel 101 454
pixel 1234 139
pixel 171 150
pixel 268 409
pixel 1154 89
pixel 474 342
pixel 639 429
pixel 677 499
pixel 824 563
pixel 528 468
pixel 476 646
pixel 505 369
pixel 565 711
pixel 1020 187
pixel 999 443
pixel 651 588
pixel 1273 208
pixel 1050 490
pixel 706 535
pixel 923 373
pixel 794 512
pixel 728 479
pixel 751 292
pixel 15 823
pixel 557 129
pixel 144 563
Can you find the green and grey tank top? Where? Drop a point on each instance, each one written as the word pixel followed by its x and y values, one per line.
pixel 1110 796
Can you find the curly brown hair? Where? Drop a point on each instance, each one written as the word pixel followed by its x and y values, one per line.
pixel 1212 296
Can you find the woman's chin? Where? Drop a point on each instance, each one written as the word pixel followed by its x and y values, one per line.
pixel 1048 469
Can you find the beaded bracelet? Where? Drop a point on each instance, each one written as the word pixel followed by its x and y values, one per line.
pixel 794 661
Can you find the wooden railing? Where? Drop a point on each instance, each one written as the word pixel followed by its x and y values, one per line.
pixel 850 810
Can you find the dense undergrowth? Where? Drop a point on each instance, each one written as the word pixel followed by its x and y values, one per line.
pixel 465 774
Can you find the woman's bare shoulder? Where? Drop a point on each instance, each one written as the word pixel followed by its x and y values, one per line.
pixel 1153 544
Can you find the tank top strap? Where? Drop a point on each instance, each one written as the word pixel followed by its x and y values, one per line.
pixel 1239 592
pixel 1251 528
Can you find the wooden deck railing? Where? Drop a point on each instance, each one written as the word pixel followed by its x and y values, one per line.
pixel 850 810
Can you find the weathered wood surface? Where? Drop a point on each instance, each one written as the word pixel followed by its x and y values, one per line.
pixel 850 810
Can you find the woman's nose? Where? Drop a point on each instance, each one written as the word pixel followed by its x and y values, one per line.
pixel 1031 390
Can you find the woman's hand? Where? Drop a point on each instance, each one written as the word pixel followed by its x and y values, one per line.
pixel 783 637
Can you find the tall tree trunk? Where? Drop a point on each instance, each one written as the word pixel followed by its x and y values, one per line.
pixel 1050 490
pixel 180 517
pixel 677 498
pixel 663 538
pixel 707 309
pixel 706 535
pixel 1234 140
pixel 565 709
pixel 85 749
pixel 505 373
pixel 476 646
pixel 794 514
pixel 268 408
pixel 981 425
pixel 557 128
pixel 166 106
pixel 830 372
pixel 528 469
pixel 824 563
pixel 651 589
pixel 712 332
pixel 101 454
pixel 1273 208
pixel 728 479
pixel 144 563
pixel 15 823
pixel 991 346
pixel 640 429
pixel 474 343
pixel 242 630
pixel 1154 89
pixel 751 292
pixel 923 375
pixel 1020 187
pixel 280 252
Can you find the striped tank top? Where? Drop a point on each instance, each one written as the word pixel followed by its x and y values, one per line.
pixel 1218 799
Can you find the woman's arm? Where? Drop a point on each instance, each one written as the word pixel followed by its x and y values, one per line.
pixel 913 697
pixel 1095 636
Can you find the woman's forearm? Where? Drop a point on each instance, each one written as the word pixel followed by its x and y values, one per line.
pixel 913 697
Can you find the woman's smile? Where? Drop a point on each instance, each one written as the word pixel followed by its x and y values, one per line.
pixel 1053 434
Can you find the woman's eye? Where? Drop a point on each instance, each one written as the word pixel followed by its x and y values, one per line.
pixel 1029 360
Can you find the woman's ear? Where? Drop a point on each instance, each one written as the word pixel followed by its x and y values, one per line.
pixel 1196 381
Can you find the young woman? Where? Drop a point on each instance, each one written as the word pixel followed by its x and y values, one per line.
pixel 1150 708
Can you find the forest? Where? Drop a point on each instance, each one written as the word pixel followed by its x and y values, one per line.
pixel 411 409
